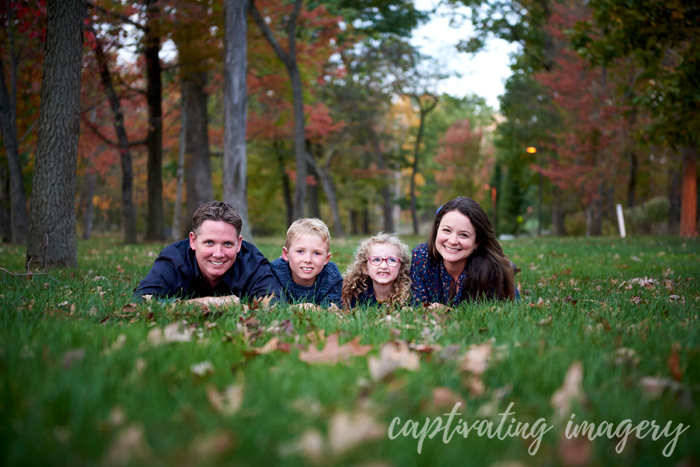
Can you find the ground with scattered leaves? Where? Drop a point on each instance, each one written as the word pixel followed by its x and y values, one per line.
pixel 607 330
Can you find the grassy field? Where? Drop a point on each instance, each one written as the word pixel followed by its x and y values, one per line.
pixel 607 331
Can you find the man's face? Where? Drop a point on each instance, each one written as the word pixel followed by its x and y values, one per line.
pixel 215 248
pixel 306 255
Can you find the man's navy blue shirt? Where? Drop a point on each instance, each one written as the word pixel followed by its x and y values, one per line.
pixel 325 290
pixel 175 273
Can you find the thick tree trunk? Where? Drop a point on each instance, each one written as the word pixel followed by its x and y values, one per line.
pixel 18 195
pixel 632 185
pixel 353 222
pixel 689 203
pixel 128 207
pixel 155 222
pixel 312 195
pixel 180 174
pixel 52 237
pixel 235 108
pixel 5 222
pixel 290 61
pixel 197 156
pixel 89 206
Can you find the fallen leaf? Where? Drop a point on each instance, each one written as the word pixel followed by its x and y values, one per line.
pixel 392 355
pixel 310 445
pixel 653 387
pixel 72 356
pixel 576 451
pixel 545 322
pixel 674 364
pixel 571 391
pixel 445 398
pixel 349 430
pixel 129 446
pixel 476 359
pixel 227 402
pixel 332 352
pixel 172 333
pixel 271 346
pixel 117 344
pixel 202 368
pixel 207 447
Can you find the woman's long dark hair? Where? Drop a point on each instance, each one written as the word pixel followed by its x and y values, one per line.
pixel 488 268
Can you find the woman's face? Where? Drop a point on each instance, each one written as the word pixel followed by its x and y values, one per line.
pixel 456 239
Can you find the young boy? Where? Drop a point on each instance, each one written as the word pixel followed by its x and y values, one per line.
pixel 305 271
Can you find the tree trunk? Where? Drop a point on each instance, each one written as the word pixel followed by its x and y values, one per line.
pixel 87 214
pixel 286 190
pixel 365 221
pixel 290 61
pixel 180 175
pixel 128 207
pixel 52 237
pixel 18 195
pixel 353 222
pixel 557 212
pixel 235 108
pixel 416 153
pixel 5 222
pixel 632 185
pixel 386 180
pixel 674 195
pixel 689 200
pixel 155 222
pixel 329 190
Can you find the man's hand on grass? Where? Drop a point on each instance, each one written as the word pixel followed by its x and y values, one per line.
pixel 206 302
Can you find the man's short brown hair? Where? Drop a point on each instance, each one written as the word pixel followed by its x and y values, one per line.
pixel 216 211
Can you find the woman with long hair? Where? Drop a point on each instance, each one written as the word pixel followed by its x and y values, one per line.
pixel 462 260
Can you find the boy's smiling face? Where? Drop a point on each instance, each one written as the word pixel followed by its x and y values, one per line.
pixel 307 255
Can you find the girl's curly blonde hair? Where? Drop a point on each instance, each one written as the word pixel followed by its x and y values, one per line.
pixel 355 281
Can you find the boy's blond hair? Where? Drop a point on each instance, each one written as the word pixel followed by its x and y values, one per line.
pixel 309 225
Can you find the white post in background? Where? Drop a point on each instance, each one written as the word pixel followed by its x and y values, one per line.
pixel 621 221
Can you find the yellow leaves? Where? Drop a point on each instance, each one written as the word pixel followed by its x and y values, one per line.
pixel 332 352
pixel 392 356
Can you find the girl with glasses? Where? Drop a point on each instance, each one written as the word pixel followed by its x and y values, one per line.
pixel 379 274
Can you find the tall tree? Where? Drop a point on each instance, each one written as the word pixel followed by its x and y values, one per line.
pixel 664 38
pixel 155 222
pixel 128 207
pixel 235 109
pixel 52 237
pixel 289 58
pixel 426 103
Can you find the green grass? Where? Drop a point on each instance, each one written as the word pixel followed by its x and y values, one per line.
pixel 142 405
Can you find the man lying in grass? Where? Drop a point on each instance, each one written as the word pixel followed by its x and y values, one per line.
pixel 215 265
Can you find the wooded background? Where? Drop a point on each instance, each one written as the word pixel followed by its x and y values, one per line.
pixel 303 108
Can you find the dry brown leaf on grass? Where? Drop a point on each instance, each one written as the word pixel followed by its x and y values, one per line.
pixel 128 447
pixel 170 333
pixel 445 398
pixel 208 447
pixel 674 363
pixel 654 387
pixel 345 432
pixel 72 356
pixel 272 345
pixel 227 402
pixel 392 355
pixel 349 430
pixel 570 391
pixel 310 445
pixel 262 303
pixel 476 359
pixel 332 352
pixel 575 452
